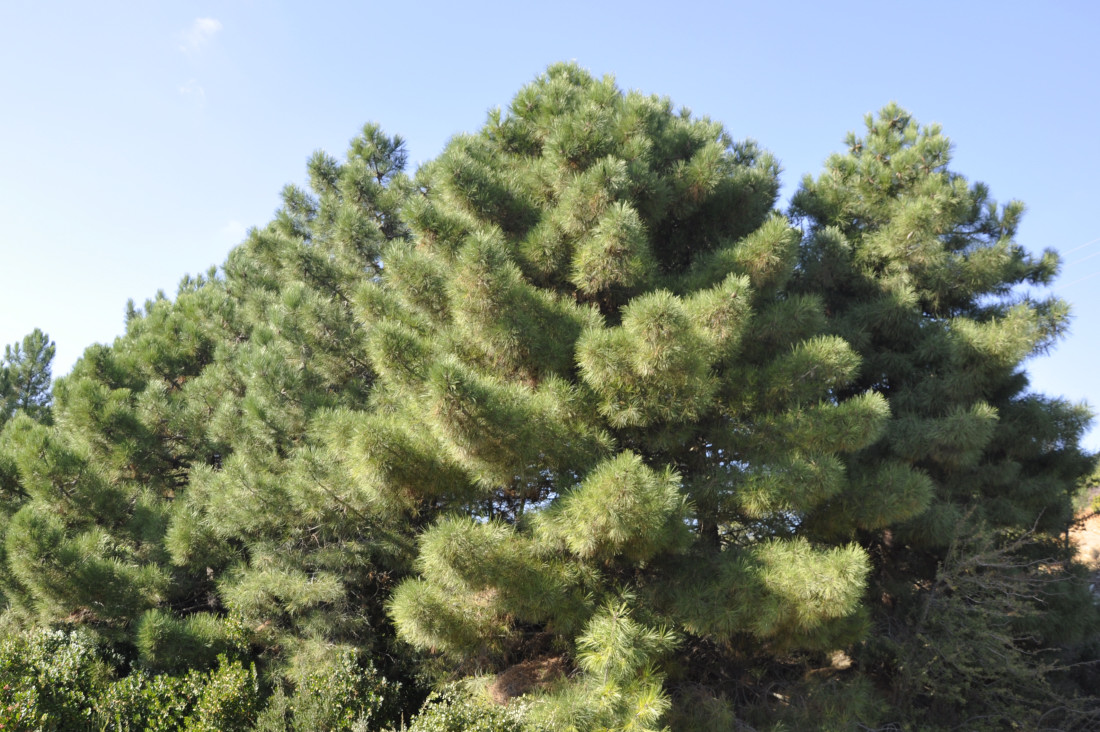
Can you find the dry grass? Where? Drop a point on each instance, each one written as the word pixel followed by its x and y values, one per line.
pixel 525 677
pixel 1087 538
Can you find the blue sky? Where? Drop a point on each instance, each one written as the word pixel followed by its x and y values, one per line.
pixel 139 141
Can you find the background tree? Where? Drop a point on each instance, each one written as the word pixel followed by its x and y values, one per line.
pixel 920 273
pixel 25 374
pixel 180 497
pixel 293 545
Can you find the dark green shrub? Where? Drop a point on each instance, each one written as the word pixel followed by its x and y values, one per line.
pixel 230 699
pixel 220 700
pixel 337 695
pixel 139 701
pixel 49 680
pixel 457 710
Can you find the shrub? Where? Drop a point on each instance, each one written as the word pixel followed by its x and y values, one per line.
pixel 338 695
pixel 455 709
pixel 220 700
pixel 49 680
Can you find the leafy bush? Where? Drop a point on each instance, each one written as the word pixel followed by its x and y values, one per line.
pixel 455 709
pixel 229 699
pixel 49 680
pixel 142 702
pixel 63 680
pixel 337 695
pixel 223 699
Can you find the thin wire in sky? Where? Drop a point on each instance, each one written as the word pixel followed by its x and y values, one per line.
pixel 1081 279
pixel 1084 259
pixel 1086 244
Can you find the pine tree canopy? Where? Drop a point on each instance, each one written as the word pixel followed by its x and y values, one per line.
pixel 919 271
pixel 587 358
pixel 25 373
pixel 576 413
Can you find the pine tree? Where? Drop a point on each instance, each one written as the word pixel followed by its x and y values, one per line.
pixel 588 370
pixel 920 273
pixel 25 374
pixel 289 543
pixel 180 493
pixel 90 493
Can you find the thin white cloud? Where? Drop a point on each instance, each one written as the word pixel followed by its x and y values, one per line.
pixel 199 34
pixel 193 90
pixel 233 232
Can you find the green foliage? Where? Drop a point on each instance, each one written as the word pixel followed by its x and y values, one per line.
pixel 454 709
pixel 222 699
pixel 25 372
pixel 1087 497
pixel 786 592
pixel 336 693
pixel 66 680
pixel 50 680
pixel 619 688
pixel 573 332
pixel 920 271
pixel 621 508
pixel 1003 602
pixel 229 700
pixel 58 680
pixel 918 268
pixel 167 643
pixel 573 399
pixel 157 703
